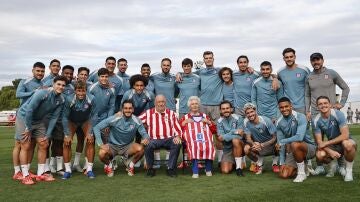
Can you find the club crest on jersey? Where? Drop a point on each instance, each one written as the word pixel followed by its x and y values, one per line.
pixel 248 79
pixel 233 125
pixel 107 93
pixel 326 76
pixel 298 75
pixel 200 137
pixel 86 106
pixel 260 130
pixel 170 79
pixel 143 100
pixel 293 123
pixel 332 123
pixel 131 126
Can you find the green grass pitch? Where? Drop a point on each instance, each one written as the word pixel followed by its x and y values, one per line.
pixel 121 187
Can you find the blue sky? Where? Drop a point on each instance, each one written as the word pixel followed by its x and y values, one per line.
pixel 84 33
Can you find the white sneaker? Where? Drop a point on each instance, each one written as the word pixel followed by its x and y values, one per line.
pixel 348 176
pixel 208 173
pixel 342 171
pixel 137 164
pixel 77 168
pixel 195 176
pixel 332 168
pixel 319 170
pixel 114 163
pixel 300 178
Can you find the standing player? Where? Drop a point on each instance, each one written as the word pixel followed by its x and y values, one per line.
pixel 79 112
pixel 292 132
pixel 260 137
pixel 30 124
pixel 332 123
pixel 350 114
pixel 293 78
pixel 54 71
pixel 226 75
pixel 122 66
pixel 262 94
pixel 146 71
pixel 123 130
pixel 357 115
pixel 230 133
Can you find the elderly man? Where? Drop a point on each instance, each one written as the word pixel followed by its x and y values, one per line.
pixel 164 130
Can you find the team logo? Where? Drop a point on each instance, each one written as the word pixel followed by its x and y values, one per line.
pixel 107 93
pixel 193 80
pixel 131 126
pixel 326 76
pixel 200 137
pixel 248 79
pixel 144 100
pixel 332 123
pixel 234 125
pixel 86 106
pixel 293 123
pixel 298 75
pixel 57 102
pixel 260 130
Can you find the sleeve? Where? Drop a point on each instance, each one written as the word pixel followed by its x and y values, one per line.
pixel 151 104
pixel 143 117
pixel 97 129
pixel 125 97
pixel 280 136
pixel 142 131
pixel 316 127
pixel 31 107
pixel 111 110
pixel 253 94
pixel 271 126
pixel 280 91
pixel 21 91
pixel 307 95
pixel 93 113
pixel 340 118
pixel 65 117
pixel 300 132
pixel 176 125
pixel 93 77
pixel 344 87
pixel 54 117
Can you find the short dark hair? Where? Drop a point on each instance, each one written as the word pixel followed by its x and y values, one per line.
pixel 80 85
pixel 208 53
pixel 54 60
pixel 222 70
pixel 187 61
pixel 284 99
pixel 138 77
pixel 225 102
pixel 80 69
pixel 242 56
pixel 127 101
pixel 166 59
pixel 39 64
pixel 322 97
pixel 288 50
pixel 145 65
pixel 110 58
pixel 103 71
pixel 60 78
pixel 67 67
pixel 122 60
pixel 266 63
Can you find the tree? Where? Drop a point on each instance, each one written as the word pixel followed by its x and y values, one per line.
pixel 8 98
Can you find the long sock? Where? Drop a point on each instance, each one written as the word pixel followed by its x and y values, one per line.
pixel 167 155
pixel 260 161
pixel 275 160
pixel 77 158
pixel 89 167
pixel 59 163
pixel 67 167
pixel 16 169
pixel 238 162
pixel 25 170
pixel 301 168
pixel 185 156
pixel 156 158
pixel 194 167
pixel 349 166
pixel 47 168
pixel 86 162
pixel 52 161
pixel 41 169
pixel 219 155
pixel 208 165
pixel 131 164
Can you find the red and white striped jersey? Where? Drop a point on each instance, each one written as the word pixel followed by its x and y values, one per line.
pixel 161 125
pixel 198 137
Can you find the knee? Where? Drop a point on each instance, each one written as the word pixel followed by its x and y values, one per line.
pixel 295 146
pixel 247 149
pixel 43 145
pixel 25 146
pixel 348 145
pixel 236 142
pixel 102 153
pixel 320 155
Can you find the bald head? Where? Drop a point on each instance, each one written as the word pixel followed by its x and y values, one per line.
pixel 160 103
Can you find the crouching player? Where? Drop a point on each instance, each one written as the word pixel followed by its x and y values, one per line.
pixel 260 137
pixel 332 123
pixel 79 112
pixel 30 124
pixel 230 133
pixel 123 130
pixel 294 136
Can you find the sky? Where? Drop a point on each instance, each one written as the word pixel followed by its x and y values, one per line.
pixel 84 33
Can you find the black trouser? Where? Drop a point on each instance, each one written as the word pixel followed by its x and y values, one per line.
pixel 168 144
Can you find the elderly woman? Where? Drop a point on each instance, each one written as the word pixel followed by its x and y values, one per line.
pixel 198 137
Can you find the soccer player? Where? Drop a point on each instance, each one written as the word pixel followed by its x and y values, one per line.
pixel 332 123
pixel 350 114
pixel 146 71
pixel 113 78
pixel 122 66
pixel 190 86
pixel 83 75
pixel 230 133
pixel 225 75
pixel 54 71
pixel 24 91
pixel 123 129
pixel 79 112
pixel 30 124
pixel 357 115
pixel 164 130
pixel 260 137
pixel 293 78
pixel 141 98
pixel 263 96
pixel 292 133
